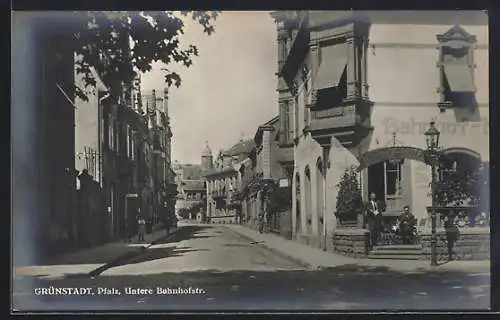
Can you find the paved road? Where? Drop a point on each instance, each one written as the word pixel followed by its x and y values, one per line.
pixel 224 271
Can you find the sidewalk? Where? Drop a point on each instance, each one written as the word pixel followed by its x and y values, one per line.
pixel 88 261
pixel 315 258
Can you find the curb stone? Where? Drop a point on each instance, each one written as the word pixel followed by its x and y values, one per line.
pixel 129 255
pixel 280 253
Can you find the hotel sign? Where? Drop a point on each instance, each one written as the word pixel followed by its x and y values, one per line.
pixel 390 153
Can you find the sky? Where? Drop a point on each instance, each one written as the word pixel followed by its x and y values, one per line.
pixel 229 90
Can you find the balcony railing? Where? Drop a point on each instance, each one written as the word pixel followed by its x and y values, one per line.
pixel 333 118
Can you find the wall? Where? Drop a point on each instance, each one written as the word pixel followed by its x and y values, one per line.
pixel 403 79
pixel 403 82
pixel 472 244
pixel 86 129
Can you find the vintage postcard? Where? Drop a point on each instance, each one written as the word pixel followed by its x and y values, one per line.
pixel 279 161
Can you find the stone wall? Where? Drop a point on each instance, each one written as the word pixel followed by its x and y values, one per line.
pixel 472 244
pixel 351 242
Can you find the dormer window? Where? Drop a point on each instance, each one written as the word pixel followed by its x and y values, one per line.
pixel 456 68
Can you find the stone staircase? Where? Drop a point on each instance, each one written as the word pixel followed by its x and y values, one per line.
pixel 349 224
pixel 396 252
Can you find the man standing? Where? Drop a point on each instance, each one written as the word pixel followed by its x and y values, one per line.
pixel 141 230
pixel 374 218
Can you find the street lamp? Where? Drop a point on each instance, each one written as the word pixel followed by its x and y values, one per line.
pixel 432 141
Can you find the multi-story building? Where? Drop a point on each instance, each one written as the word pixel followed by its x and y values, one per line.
pixel 361 88
pixel 190 187
pixel 265 181
pixel 161 185
pixel 43 175
pixel 224 181
pixel 91 225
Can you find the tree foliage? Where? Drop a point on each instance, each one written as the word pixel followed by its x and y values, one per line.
pixel 184 213
pixel 120 43
pixel 464 188
pixel 349 199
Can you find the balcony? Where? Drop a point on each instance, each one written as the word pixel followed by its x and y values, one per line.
pixel 348 123
pixel 217 194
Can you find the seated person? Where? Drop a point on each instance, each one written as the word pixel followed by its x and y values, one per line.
pixel 407 224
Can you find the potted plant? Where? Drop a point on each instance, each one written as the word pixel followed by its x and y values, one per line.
pixel 349 200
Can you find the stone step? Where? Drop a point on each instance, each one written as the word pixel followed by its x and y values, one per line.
pixel 395 252
pixel 394 257
pixel 405 247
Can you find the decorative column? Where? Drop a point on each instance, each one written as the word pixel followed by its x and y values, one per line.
pixel 352 88
pixel 364 67
pixel 282 50
pixel 315 57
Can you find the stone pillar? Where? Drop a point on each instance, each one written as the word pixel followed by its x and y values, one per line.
pixel 314 47
pixel 352 58
pixel 364 67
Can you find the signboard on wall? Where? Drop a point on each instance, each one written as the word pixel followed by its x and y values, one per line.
pixel 284 183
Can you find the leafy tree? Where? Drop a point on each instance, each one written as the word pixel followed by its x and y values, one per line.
pixel 120 43
pixel 184 213
pixel 349 200
pixel 464 188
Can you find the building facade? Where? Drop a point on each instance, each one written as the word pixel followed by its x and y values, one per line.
pixel 361 88
pixel 159 192
pixel 190 187
pixel 264 169
pixel 43 175
pixel 224 181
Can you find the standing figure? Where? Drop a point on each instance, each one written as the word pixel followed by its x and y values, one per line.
pixel 141 230
pixel 373 209
pixel 407 225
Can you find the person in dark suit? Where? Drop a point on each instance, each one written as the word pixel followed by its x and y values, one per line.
pixel 373 212
pixel 407 225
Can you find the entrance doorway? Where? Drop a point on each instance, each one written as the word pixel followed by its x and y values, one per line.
pixel 385 180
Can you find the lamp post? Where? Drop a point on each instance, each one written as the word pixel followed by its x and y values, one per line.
pixel 432 141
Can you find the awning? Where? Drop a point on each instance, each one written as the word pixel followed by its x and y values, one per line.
pixel 333 61
pixel 459 77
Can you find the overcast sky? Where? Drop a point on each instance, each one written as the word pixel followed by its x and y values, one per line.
pixel 230 89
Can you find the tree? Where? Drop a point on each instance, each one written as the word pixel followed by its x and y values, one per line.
pixel 120 43
pixel 184 213
pixel 464 188
pixel 349 199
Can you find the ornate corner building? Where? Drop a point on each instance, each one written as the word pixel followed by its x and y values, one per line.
pixel 360 88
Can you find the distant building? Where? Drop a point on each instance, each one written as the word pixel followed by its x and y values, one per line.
pixel 224 181
pixel 190 187
pixel 264 166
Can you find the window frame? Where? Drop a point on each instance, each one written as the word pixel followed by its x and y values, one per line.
pixel 455 38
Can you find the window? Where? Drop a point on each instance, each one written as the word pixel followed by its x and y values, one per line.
pixel 393 178
pixel 286 123
pixel 331 79
pixel 456 68
pixel 296 120
pixel 129 141
pixel 111 133
pixel 132 143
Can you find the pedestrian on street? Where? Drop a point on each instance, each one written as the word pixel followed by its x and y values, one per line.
pixel 373 214
pixel 141 230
